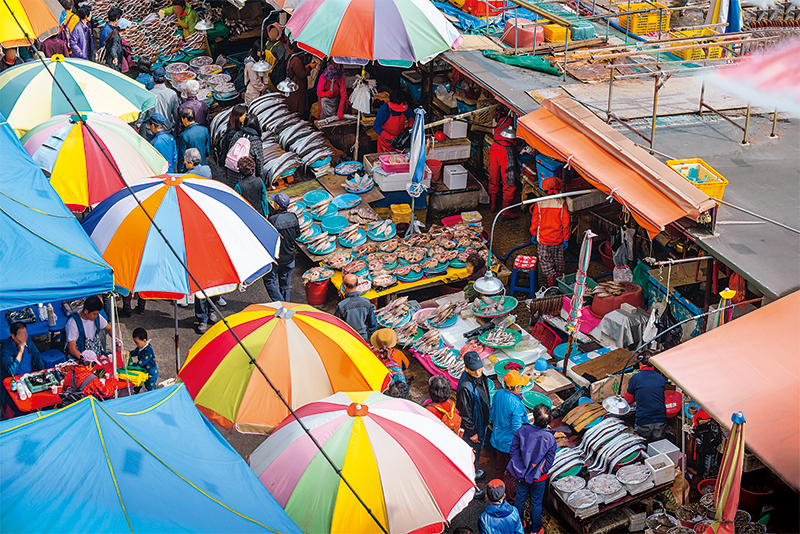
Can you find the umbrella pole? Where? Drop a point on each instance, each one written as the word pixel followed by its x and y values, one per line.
pixel 358 131
pixel 570 343
pixel 114 339
pixel 177 339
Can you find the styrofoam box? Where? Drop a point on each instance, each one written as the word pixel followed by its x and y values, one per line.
pixel 398 181
pixel 448 152
pixel 665 447
pixel 455 129
pixel 455 177
pixel 665 470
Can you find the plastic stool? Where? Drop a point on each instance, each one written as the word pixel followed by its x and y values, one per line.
pixel 525 264
pixel 51 357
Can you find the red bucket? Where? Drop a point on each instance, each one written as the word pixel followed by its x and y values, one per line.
pixel 317 292
pixel 436 169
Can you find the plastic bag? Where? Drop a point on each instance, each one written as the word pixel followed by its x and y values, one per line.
pixel 641 277
pixel 623 274
pixel 666 321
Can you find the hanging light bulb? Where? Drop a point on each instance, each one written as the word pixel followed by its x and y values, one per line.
pixel 287 87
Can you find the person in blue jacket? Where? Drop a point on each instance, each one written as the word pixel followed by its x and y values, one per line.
pixel 499 516
pixel 114 14
pixel 506 416
pixel 145 358
pixel 192 135
pixel 162 141
pixel 391 121
pixel 18 355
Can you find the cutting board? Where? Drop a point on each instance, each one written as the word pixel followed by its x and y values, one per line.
pixel 554 381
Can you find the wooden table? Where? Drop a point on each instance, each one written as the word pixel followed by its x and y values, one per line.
pixel 557 507
pixel 605 364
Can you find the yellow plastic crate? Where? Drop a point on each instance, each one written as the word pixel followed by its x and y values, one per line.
pixel 642 23
pixel 401 213
pixel 553 33
pixel 701 175
pixel 696 54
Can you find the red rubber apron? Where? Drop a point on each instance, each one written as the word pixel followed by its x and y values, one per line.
pixel 393 126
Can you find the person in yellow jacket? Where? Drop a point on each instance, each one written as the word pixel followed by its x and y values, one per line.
pixel 187 17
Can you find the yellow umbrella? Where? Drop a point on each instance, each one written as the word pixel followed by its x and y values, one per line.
pixel 38 18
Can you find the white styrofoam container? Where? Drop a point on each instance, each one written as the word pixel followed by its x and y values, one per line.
pixel 666 470
pixel 448 152
pixel 455 177
pixel 455 129
pixel 397 181
pixel 664 446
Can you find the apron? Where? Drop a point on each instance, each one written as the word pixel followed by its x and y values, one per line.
pixel 328 107
pixel 270 58
pixel 393 126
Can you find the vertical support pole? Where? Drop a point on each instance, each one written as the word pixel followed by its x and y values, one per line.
pixel 655 115
pixel 773 135
pixel 702 95
pixel 627 23
pixel 516 29
pixel 746 126
pixel 566 47
pixel 707 293
pixel 683 434
pixel 610 93
pixel 358 137
pixel 487 17
pixel 113 320
pixel 177 339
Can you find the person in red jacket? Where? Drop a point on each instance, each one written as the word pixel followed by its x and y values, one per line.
pixel 550 228
pixel 391 120
pixel 332 92
pixel 503 164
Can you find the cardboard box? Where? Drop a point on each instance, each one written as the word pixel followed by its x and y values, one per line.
pixel 455 177
pixel 455 129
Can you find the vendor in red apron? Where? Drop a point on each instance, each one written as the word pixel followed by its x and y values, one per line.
pixel 391 121
pixel 503 166
pixel 550 229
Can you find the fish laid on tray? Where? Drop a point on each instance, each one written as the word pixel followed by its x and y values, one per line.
pixel 428 342
pixel 442 314
pixel 320 207
pixel 363 215
pixel 355 266
pixel 316 274
pixel 350 233
pixel 407 332
pixel 338 261
pixel 501 338
pixel 488 306
pixel 394 313
pixel 382 228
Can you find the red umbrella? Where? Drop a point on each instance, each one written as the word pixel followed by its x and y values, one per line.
pixel 729 480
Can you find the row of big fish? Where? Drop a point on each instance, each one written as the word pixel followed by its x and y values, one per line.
pixel 288 141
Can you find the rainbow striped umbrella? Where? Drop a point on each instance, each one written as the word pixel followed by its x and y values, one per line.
pixel 65 149
pixel 306 353
pixel 411 470
pixel 729 480
pixel 38 18
pixel 388 31
pixel 221 238
pixel 28 95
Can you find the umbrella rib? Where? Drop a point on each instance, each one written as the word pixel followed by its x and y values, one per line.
pixel 213 304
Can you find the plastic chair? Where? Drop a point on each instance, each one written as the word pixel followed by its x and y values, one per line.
pixel 52 357
pixel 546 336
pixel 524 264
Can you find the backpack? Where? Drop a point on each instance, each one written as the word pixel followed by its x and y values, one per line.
pixel 74 393
pixel 238 83
pixel 240 149
pixel 452 419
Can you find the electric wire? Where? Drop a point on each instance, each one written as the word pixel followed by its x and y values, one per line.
pixel 186 268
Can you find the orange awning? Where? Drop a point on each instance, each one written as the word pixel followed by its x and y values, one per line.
pixel 655 194
pixel 750 365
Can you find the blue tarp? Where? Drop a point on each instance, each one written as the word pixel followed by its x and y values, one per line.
pixel 146 463
pixel 46 254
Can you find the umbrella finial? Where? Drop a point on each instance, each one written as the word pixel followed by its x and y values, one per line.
pixel 738 418
pixel 57 58
pixel 284 313
pixel 357 410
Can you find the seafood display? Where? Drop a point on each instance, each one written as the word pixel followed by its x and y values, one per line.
pixel 604 484
pixel 358 183
pixel 407 332
pixel 500 338
pixel 566 459
pixel 380 230
pixel 363 215
pixel 348 167
pixel 317 274
pixel 382 281
pixel 661 523
pixel 570 484
pixel 608 289
pixel 394 314
pixel 635 474
pixel 354 267
pixel 582 499
pixel 583 415
pixel 442 314
pixel 430 341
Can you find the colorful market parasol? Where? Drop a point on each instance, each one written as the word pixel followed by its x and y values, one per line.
pixel 729 480
pixel 221 238
pixel 392 32
pixel 29 96
pixel 65 149
pixel 726 12
pixel 411 470
pixel 768 78
pixel 307 354
pixel 38 18
pixel 576 304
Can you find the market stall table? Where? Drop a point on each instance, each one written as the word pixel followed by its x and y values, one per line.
pixel 39 327
pixel 554 504
pixel 334 183
pixel 47 399
pixel 451 275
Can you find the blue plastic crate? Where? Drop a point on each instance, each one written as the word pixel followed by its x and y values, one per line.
pixel 463 107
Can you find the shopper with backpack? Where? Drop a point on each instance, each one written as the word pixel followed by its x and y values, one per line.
pixel 251 187
pixel 193 136
pixel 442 405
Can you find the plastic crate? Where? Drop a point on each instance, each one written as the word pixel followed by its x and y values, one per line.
pixel 463 107
pixel 642 23
pixel 553 33
pixel 696 54
pixel 401 213
pixel 567 280
pixel 701 175
pixel 662 467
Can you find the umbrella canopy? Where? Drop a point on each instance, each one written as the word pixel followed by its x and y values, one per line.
pixel 49 257
pixel 66 150
pixel 221 238
pixel 38 18
pixel 306 353
pixel 768 78
pixel 411 470
pixel 387 31
pixel 145 463
pixel 729 480
pixel 726 11
pixel 28 95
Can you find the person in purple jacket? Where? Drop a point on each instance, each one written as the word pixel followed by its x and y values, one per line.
pixel 533 451
pixel 80 39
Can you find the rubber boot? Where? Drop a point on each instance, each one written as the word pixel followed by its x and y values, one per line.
pixel 140 306
pixel 551 282
pixel 510 214
pixel 493 202
pixel 126 306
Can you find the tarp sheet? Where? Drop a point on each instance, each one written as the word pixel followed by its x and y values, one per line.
pixel 526 62
pixel 146 463
pixel 655 194
pixel 749 365
pixel 46 254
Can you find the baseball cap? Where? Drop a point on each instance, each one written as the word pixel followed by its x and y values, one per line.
pixel 159 74
pixel 281 199
pixel 495 490
pixel 472 361
pixel 385 337
pixel 123 24
pixel 157 118
pixel 513 378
